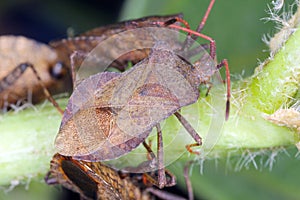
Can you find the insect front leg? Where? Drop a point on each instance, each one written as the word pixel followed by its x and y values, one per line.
pixel 187 42
pixel 194 34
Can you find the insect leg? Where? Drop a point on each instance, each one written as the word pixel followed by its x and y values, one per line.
pixel 212 43
pixel 209 86
pixel 177 19
pixel 188 42
pixel 8 80
pixel 203 21
pixel 225 64
pixel 188 180
pixel 17 72
pixel 170 23
pixel 170 178
pixel 163 194
pixel 160 159
pixel 150 154
pixel 213 55
pixel 171 181
pixel 50 180
pixel 191 131
pixel 45 90
pixel 151 179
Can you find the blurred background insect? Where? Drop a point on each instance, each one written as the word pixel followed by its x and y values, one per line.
pixel 92 180
pixel 95 180
pixel 27 69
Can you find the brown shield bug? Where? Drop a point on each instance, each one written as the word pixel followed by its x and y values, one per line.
pixel 110 114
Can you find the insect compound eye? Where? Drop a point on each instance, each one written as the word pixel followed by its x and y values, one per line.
pixel 79 178
pixel 58 71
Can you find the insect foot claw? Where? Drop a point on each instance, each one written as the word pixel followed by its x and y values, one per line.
pixel 188 147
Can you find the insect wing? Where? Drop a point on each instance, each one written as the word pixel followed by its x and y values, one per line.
pixel 113 118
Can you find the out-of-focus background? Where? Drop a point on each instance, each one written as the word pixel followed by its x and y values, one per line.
pixel 237 28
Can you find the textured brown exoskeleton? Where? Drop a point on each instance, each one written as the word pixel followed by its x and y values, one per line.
pixel 110 114
pixel 28 66
pixel 95 181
